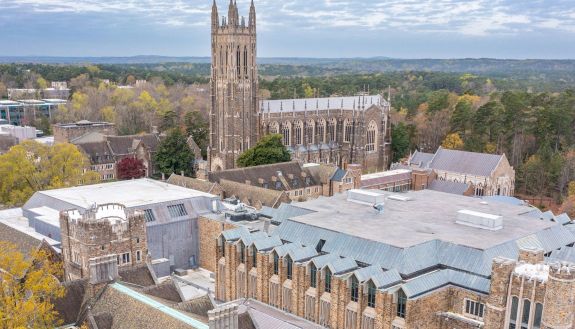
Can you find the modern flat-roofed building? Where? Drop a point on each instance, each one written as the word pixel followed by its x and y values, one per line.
pixel 170 211
pixel 66 132
pixel 425 259
pixel 12 111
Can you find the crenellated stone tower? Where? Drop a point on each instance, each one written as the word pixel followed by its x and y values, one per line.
pixel 234 118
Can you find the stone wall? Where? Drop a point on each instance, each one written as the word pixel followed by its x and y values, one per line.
pixel 208 232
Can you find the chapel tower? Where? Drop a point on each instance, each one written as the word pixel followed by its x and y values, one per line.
pixel 234 118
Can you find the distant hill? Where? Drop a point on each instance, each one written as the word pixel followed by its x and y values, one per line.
pixel 339 65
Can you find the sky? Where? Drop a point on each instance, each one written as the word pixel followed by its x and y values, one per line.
pixel 519 29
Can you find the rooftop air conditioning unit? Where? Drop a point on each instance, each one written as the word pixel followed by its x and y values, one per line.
pixel 479 220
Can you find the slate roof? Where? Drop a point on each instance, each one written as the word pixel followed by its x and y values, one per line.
pixel 140 276
pixel 130 309
pixel 69 306
pixel 122 145
pixel 193 183
pixel 421 159
pixel 23 242
pixel 458 188
pixel 322 104
pixel 253 194
pixel 97 152
pixel 478 164
pixel 166 290
pixel 280 171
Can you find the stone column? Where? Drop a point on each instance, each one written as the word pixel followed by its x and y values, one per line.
pixel 497 302
pixel 559 305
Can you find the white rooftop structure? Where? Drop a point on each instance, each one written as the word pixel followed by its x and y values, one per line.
pixel 320 104
pixel 131 193
pixel 385 174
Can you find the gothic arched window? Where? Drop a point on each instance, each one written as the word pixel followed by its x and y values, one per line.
pixel 246 61
pixel 286 133
pixel 298 132
pixel 331 130
pixel 274 128
pixel 347 130
pixel 309 131
pixel 321 131
pixel 371 144
pixel 238 61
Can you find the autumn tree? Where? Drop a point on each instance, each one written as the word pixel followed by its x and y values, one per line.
pixel 268 150
pixel 174 154
pixel 452 142
pixel 131 168
pixel 31 166
pixel 29 285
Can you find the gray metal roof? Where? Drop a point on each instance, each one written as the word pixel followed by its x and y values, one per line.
pixel 429 282
pixel 478 164
pixel 286 248
pixel 564 254
pixel 562 219
pixel 322 104
pixel 341 265
pixel 449 187
pixel 302 254
pixel 268 211
pixel 236 233
pixel 268 243
pixel 286 211
pixel 323 260
pixel 338 175
pixel 381 279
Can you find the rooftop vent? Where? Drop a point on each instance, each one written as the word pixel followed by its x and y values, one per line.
pixel 365 197
pixel 479 220
pixel 397 197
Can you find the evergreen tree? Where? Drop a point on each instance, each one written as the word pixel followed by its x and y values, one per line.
pixel 175 155
pixel 268 150
pixel 400 141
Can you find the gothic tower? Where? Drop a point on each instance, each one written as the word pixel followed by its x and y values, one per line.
pixel 234 119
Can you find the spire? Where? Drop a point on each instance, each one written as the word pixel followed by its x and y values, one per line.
pixel 252 20
pixel 215 16
pixel 231 14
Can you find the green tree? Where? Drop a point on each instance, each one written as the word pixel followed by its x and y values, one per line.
pixel 461 117
pixel 268 150
pixel 29 284
pixel 400 141
pixel 197 127
pixel 438 100
pixel 174 154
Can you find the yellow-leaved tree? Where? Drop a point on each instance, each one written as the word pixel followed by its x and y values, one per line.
pixel 29 285
pixel 452 142
pixel 31 166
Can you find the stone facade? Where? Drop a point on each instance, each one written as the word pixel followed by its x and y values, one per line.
pixel 208 232
pixel 234 119
pixel 337 130
pixel 103 231
pixel 544 294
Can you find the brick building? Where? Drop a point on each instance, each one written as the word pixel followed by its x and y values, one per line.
pixel 336 130
pixel 418 260
pixel 105 152
pixel 109 235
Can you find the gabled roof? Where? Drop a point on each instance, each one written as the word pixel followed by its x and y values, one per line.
pixel 421 159
pixel 284 249
pixel 253 194
pixel 458 188
pixel 429 282
pixel 268 243
pixel 265 173
pixel 381 279
pixel 470 163
pixel 302 254
pixel 122 145
pixel 322 104
pixel 193 183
